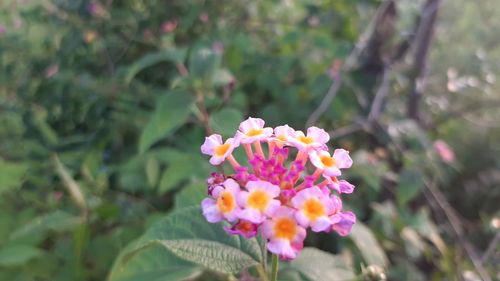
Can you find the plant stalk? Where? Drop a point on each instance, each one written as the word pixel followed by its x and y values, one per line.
pixel 274 269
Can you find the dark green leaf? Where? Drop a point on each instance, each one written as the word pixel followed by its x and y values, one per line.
pixel 410 185
pixel 12 255
pixel 172 54
pixel 226 121
pixel 171 112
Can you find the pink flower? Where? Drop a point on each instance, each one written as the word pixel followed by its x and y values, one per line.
pixel 344 224
pixel 341 186
pixel 244 228
pixel 331 165
pixel 274 194
pixel 169 26
pixel 204 17
pixel 51 70
pixel 252 130
pixel 258 202
pixel 282 135
pixel 3 30
pixel 223 205
pixel 285 235
pixel 444 151
pixel 313 208
pixel 214 147
pixel 316 138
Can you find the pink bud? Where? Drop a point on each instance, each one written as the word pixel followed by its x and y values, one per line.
pixel 444 151
pixel 169 26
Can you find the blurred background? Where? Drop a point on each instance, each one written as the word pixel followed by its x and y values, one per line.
pixel 104 105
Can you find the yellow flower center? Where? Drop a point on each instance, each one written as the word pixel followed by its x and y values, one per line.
pixel 306 140
pixel 285 228
pixel 313 209
pixel 281 138
pixel 226 202
pixel 258 200
pixel 254 132
pixel 327 161
pixel 222 149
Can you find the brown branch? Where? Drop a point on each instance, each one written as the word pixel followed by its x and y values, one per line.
pixel 458 229
pixel 350 62
pixel 423 42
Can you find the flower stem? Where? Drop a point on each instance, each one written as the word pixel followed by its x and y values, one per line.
pixel 274 270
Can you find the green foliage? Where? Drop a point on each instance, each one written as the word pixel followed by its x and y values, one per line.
pixel 103 112
pixel 186 234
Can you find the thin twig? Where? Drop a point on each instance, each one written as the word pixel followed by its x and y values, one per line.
pixel 457 227
pixel 382 91
pixel 349 64
pixel 491 248
pixel 423 41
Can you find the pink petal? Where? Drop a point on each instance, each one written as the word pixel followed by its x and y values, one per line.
pixel 342 158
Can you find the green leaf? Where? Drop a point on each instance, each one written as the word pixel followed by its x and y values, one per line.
pixel 222 77
pixel 317 265
pixel 183 166
pixel 155 264
pixel 210 254
pixel 410 185
pixel 368 245
pixel 226 121
pixel 203 62
pixel 172 54
pixel 55 221
pixel 12 255
pixel 187 235
pixel 191 195
pixel 152 171
pixel 11 175
pixel 170 113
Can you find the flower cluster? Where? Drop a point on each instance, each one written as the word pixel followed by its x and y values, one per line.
pixel 277 196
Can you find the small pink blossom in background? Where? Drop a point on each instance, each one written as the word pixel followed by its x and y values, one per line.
pixel 334 69
pixel 218 47
pixel 169 26
pixel 51 70
pixel 18 23
pixel 444 151
pixel 2 29
pixel 204 17
pixel 96 9
pixel 278 197
pixel 58 195
pixel 313 21
pixel 147 33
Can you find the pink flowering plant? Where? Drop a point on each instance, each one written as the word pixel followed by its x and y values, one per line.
pixel 289 182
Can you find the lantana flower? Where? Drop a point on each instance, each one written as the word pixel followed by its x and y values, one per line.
pixel 277 198
pixel 285 235
pixel 219 151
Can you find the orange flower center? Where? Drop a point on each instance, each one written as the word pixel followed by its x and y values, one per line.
pixel 306 140
pixel 258 200
pixel 328 161
pixel 245 226
pixel 222 149
pixel 226 202
pixel 285 228
pixel 313 209
pixel 254 132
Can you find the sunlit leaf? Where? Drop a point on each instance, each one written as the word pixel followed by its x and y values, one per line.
pixel 317 265
pixel 368 245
